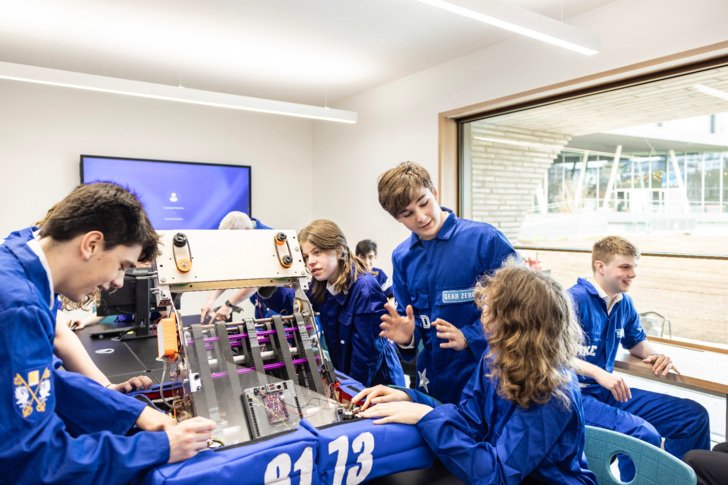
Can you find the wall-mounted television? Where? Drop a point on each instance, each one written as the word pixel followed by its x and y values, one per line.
pixel 176 195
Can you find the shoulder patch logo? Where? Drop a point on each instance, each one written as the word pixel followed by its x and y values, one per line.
pixel 32 390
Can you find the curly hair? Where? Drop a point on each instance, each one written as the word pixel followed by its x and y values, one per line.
pixel 533 334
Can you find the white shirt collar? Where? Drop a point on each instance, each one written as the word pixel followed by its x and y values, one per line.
pixel 34 246
pixel 603 294
pixel 332 289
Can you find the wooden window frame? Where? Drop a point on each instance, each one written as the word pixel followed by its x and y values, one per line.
pixel 449 122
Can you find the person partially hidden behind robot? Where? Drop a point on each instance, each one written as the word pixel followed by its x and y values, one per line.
pixel 60 426
pixel 235 220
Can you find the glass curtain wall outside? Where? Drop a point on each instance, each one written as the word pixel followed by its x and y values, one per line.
pixel 564 179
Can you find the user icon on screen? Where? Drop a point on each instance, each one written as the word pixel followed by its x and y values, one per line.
pixel 173 197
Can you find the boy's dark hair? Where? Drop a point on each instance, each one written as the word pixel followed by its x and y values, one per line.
pixel 106 207
pixel 399 186
pixel 366 246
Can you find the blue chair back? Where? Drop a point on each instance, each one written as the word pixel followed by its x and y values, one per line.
pixel 653 465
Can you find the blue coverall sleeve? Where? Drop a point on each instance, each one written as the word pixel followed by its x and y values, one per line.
pixel 281 301
pixel 402 297
pixel 419 397
pixel 496 251
pixel 458 435
pixel 473 333
pixel 37 446
pixel 86 407
pixel 367 347
pixel 633 331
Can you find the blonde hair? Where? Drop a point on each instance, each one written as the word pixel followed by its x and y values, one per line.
pixel 327 236
pixel 399 187
pixel 235 220
pixel 605 249
pixel 532 332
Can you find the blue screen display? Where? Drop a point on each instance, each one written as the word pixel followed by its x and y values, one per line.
pixel 176 195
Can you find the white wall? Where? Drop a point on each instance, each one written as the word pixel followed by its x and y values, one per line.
pixel 398 121
pixel 43 130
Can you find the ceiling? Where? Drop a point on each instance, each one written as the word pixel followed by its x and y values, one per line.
pixel 302 51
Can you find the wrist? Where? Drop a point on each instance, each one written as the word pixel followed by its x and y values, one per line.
pixel 232 306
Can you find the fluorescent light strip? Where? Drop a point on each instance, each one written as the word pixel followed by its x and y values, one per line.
pixel 103 84
pixel 711 91
pixel 523 22
pixel 520 143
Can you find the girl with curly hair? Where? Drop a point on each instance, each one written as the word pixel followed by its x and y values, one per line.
pixel 520 417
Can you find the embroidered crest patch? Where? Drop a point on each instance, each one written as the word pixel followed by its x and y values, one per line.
pixel 32 390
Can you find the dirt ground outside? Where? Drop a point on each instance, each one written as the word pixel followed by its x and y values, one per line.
pixel 692 293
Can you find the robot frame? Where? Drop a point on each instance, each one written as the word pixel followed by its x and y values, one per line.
pixel 283 414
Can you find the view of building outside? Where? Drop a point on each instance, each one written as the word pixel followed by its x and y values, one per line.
pixel 661 182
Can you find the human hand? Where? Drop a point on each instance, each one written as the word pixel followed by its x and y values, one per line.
pixel 616 385
pixel 454 336
pixel 188 438
pixel 222 313
pixel 661 364
pixel 204 313
pixel 397 327
pixel 79 323
pixel 397 412
pixel 379 394
pixel 137 382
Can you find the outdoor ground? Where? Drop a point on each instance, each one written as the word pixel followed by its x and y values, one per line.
pixel 692 293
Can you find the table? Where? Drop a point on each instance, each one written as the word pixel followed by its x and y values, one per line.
pixel 701 368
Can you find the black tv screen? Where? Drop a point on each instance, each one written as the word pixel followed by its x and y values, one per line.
pixel 176 195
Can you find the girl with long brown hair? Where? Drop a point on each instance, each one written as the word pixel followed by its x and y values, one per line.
pixel 520 417
pixel 350 303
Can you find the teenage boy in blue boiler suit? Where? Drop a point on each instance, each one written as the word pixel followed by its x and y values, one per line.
pixel 434 275
pixel 58 426
pixel 608 318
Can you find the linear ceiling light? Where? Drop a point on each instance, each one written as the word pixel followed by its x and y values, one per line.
pixel 520 143
pixel 711 91
pixel 523 22
pixel 103 84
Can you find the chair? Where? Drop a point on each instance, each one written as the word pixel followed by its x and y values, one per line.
pixel 653 466
pixel 654 324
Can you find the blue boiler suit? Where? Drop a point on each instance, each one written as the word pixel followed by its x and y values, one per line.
pixel 648 415
pixel 350 323
pixel 57 426
pixel 437 277
pixel 259 225
pixel 261 310
pixel 487 439
pixel 384 282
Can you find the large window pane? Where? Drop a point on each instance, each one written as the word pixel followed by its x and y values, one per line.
pixel 647 162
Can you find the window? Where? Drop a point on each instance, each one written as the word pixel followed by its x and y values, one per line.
pixel 646 159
